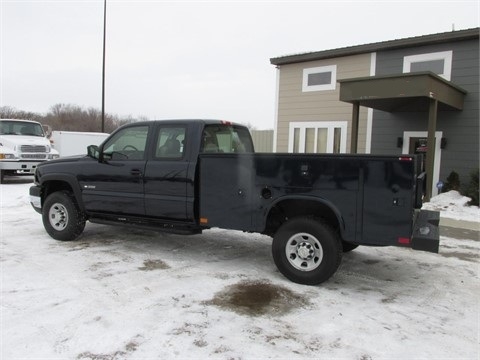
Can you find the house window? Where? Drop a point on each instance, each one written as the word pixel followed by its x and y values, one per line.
pixel 318 137
pixel 319 78
pixel 439 63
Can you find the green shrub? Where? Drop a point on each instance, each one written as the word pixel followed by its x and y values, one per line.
pixel 472 188
pixel 452 183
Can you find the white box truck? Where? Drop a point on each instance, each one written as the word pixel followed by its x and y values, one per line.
pixel 23 145
pixel 70 143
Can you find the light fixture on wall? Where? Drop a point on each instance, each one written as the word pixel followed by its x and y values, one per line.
pixel 399 142
pixel 443 143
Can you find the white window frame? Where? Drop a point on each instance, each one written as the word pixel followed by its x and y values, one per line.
pixel 322 69
pixel 329 125
pixel 446 56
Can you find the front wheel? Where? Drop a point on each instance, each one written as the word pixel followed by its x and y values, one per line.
pixel 306 251
pixel 61 216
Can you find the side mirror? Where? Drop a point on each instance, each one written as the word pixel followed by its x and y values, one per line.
pixel 93 152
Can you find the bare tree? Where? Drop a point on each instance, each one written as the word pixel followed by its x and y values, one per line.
pixel 70 117
pixel 8 112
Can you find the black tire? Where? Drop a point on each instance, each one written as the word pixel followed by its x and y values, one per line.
pixel 2 176
pixel 62 217
pixel 307 251
pixel 347 247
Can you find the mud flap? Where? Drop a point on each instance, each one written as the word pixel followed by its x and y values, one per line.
pixel 426 233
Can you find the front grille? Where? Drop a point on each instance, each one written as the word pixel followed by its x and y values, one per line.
pixel 34 156
pixel 33 149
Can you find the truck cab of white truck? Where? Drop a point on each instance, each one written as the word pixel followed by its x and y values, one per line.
pixel 23 145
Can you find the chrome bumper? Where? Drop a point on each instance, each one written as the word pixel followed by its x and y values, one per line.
pixel 35 199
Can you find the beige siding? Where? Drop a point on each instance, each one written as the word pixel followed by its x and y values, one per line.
pixel 262 140
pixel 294 105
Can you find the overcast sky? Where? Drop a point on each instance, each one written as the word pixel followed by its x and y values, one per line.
pixel 189 59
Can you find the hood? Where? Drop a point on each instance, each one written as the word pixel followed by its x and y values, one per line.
pixel 65 159
pixel 11 141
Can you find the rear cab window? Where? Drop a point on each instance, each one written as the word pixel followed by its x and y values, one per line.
pixel 224 138
pixel 170 143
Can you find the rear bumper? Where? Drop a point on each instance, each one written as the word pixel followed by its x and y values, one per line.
pixel 426 233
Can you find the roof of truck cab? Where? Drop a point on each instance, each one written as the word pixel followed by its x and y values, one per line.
pixel 187 121
pixel 21 120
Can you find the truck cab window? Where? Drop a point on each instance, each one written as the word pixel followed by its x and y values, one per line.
pixel 127 144
pixel 21 128
pixel 170 143
pixel 226 139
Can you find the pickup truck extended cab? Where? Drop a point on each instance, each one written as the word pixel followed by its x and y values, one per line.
pixel 184 176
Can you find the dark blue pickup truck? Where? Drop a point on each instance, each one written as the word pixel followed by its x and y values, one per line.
pixel 184 176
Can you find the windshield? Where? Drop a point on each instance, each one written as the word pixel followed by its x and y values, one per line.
pixel 21 128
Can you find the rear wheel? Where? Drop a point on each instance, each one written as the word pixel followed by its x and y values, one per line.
pixel 306 251
pixel 62 217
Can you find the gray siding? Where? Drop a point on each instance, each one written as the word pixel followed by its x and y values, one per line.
pixel 460 128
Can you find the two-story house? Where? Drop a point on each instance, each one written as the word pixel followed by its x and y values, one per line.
pixel 385 98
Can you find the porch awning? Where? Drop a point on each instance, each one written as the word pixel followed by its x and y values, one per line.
pixel 413 92
pixel 405 92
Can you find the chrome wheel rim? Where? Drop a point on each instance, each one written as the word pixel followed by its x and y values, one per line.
pixel 58 216
pixel 304 252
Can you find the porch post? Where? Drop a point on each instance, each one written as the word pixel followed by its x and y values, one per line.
pixel 432 127
pixel 354 134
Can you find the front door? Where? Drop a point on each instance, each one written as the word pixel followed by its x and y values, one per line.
pixel 115 184
pixel 415 142
pixel 418 145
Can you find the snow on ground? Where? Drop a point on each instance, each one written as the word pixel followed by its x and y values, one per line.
pixel 454 205
pixel 120 293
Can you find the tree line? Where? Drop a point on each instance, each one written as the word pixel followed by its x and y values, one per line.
pixel 69 117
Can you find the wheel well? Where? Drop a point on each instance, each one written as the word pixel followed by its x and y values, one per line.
pixel 53 186
pixel 288 209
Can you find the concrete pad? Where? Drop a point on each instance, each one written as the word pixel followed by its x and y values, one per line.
pixel 462 224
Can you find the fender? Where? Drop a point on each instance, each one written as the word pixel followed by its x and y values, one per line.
pixel 57 178
pixel 318 204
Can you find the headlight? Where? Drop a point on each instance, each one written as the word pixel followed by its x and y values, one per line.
pixel 7 156
pixel 53 156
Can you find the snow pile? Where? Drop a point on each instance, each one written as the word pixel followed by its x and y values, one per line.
pixel 453 205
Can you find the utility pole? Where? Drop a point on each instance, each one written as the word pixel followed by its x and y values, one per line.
pixel 103 66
